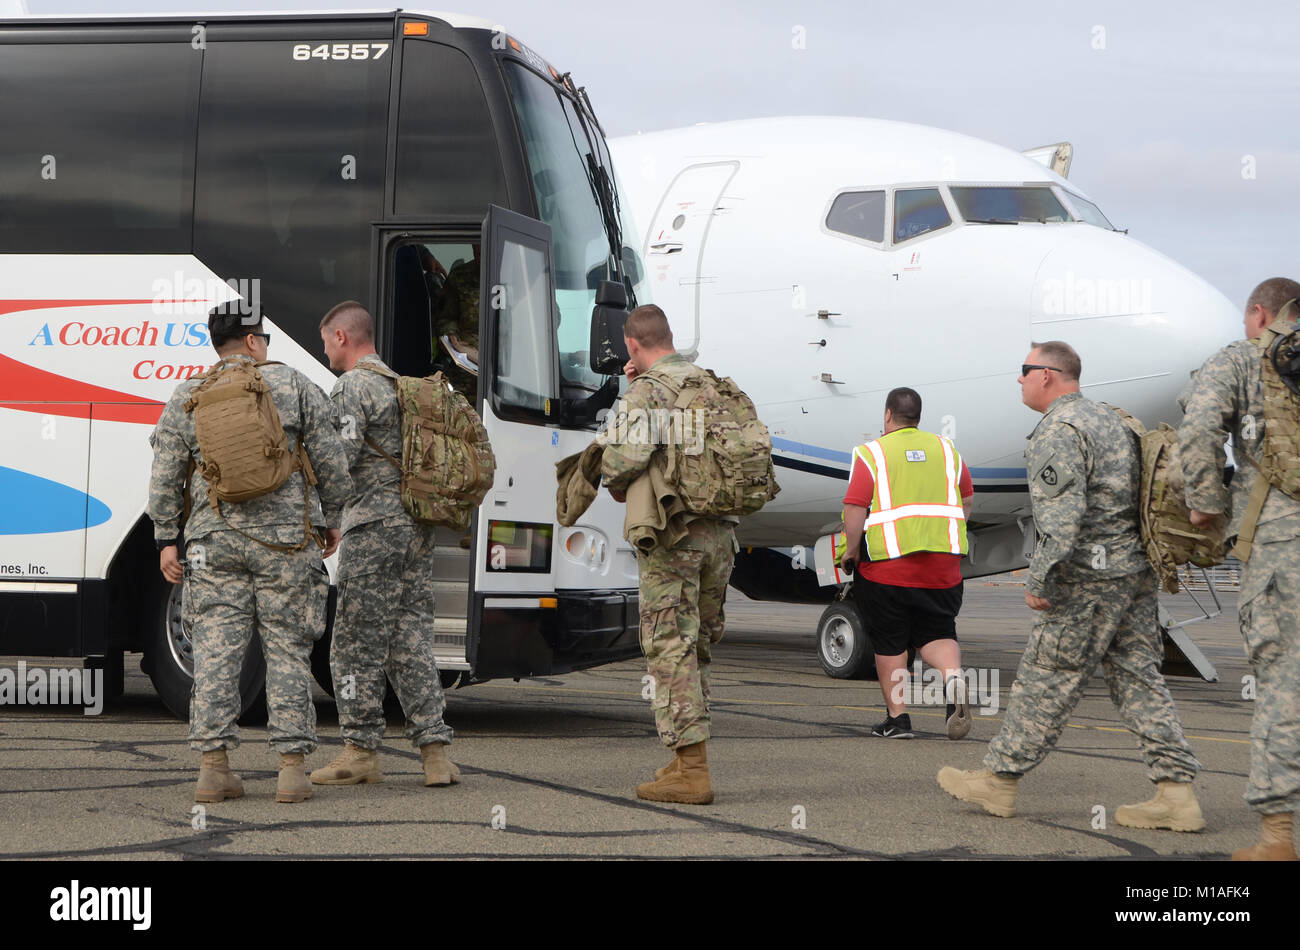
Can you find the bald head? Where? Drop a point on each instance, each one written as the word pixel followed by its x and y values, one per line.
pixel 347 333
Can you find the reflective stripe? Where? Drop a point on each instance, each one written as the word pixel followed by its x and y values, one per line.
pixel 914 511
pixel 882 493
pixel 954 486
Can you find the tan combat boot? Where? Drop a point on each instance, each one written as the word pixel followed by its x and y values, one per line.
pixel 687 785
pixel 354 766
pixel 293 785
pixel 1174 807
pixel 438 769
pixel 1274 844
pixel 216 781
pixel 997 793
pixel 668 769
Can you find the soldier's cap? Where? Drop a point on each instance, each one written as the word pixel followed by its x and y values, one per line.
pixel 234 318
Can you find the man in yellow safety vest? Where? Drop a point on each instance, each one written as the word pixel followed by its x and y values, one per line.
pixel 909 493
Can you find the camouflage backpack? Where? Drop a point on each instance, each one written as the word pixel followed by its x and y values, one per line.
pixel 244 449
pixel 1280 466
pixel 720 460
pixel 447 463
pixel 1168 534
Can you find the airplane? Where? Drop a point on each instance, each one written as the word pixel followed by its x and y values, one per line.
pixel 823 261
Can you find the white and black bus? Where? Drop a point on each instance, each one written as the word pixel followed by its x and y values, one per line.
pixel 153 166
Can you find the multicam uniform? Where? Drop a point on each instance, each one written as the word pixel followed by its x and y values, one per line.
pixel 682 588
pixel 235 585
pixel 457 316
pixel 386 601
pixel 1084 476
pixel 1224 398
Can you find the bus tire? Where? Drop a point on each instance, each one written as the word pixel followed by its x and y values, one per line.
pixel 842 645
pixel 169 661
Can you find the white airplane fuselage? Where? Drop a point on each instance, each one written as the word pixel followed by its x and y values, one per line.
pixel 818 325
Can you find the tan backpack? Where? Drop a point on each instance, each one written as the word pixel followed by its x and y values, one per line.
pixel 720 459
pixel 1168 534
pixel 245 452
pixel 1280 467
pixel 447 462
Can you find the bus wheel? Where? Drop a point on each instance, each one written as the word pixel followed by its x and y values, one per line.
pixel 169 661
pixel 842 645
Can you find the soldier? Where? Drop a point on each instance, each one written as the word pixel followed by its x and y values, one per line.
pixel 1229 396
pixel 385 608
pixel 248 564
pixel 682 589
pixel 456 318
pixel 1096 593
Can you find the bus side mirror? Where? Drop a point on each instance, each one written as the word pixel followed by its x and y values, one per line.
pixel 608 353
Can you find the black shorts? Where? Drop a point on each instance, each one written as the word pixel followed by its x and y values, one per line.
pixel 896 618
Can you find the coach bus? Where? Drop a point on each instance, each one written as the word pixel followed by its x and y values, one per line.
pixel 152 167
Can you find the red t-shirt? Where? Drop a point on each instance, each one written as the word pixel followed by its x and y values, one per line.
pixel 930 569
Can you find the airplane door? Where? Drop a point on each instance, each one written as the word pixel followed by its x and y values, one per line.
pixel 674 249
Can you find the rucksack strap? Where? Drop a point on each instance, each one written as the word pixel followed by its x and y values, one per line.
pixel 1250 520
pixel 308 479
pixel 375 445
pixel 387 374
pixel 381 370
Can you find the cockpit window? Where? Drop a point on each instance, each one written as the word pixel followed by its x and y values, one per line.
pixel 859 213
pixel 1008 205
pixel 918 211
pixel 1089 212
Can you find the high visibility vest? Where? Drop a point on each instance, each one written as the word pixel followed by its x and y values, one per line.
pixel 916 504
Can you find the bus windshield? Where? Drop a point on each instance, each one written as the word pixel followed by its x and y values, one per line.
pixel 559 159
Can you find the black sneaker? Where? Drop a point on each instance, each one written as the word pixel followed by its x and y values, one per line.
pixel 894 728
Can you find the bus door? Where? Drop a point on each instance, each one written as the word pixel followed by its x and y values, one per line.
pixel 428 306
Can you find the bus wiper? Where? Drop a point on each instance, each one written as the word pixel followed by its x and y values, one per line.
pixel 990 221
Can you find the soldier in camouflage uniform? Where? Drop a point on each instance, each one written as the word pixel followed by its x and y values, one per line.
pixel 385 614
pixel 1096 593
pixel 457 318
pixel 234 582
pixel 1225 398
pixel 682 589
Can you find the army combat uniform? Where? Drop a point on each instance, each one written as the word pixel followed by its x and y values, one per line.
pixel 457 315
pixel 234 584
pixel 386 601
pixel 683 588
pixel 1084 473
pixel 1224 398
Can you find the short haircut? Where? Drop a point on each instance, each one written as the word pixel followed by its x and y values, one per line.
pixel 1062 356
pixel 232 321
pixel 649 327
pixel 353 319
pixel 905 404
pixel 1273 294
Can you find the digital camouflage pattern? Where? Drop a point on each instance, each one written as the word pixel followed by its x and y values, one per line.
pixel 303 409
pixel 366 408
pixel 384 631
pixel 233 586
pixel 1111 621
pixel 233 583
pixel 683 590
pixel 1226 397
pixel 1084 475
pixel 458 315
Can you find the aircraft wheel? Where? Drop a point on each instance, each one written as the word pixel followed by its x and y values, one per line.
pixel 842 644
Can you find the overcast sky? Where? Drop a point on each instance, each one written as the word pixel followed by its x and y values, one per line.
pixel 1171 107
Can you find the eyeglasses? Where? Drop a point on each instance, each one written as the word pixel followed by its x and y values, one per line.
pixel 266 337
pixel 1027 368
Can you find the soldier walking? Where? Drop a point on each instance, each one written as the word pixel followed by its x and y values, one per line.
pixel 384 626
pixel 250 565
pixel 1095 592
pixel 1238 392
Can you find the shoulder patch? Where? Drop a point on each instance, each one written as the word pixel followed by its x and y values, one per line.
pixel 1048 475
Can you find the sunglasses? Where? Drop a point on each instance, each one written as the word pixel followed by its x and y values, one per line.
pixel 1027 368
pixel 266 337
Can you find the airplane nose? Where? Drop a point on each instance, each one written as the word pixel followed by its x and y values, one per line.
pixel 1141 323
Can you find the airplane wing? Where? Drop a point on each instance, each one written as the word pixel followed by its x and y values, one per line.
pixel 1056 157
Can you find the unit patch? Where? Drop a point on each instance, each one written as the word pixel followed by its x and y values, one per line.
pixel 1048 475
pixel 916 455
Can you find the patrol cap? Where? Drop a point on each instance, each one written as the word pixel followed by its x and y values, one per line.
pixel 233 319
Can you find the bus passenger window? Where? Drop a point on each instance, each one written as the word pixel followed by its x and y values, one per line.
pixel 918 211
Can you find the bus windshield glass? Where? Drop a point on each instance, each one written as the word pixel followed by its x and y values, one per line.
pixel 558 156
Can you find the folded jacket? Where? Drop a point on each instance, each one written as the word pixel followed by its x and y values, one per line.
pixel 578 478
pixel 655 515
